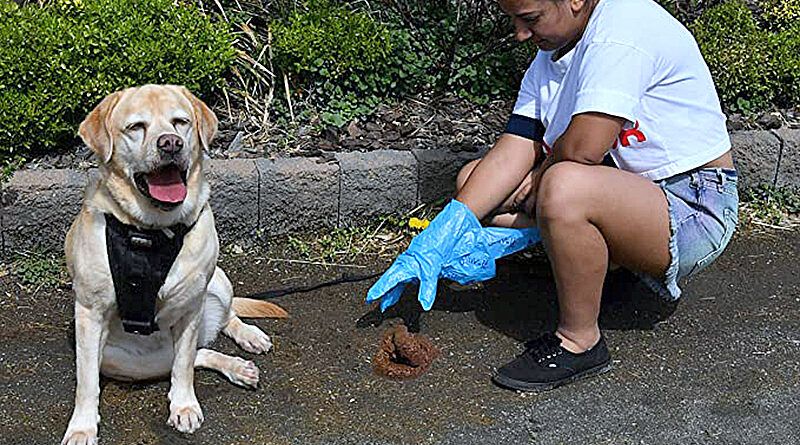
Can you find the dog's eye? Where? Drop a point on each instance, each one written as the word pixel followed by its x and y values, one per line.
pixel 180 121
pixel 136 126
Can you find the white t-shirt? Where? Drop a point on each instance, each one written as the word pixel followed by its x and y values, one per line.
pixel 637 62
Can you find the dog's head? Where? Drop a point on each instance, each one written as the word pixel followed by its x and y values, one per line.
pixel 149 141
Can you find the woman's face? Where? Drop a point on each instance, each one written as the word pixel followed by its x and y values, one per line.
pixel 550 24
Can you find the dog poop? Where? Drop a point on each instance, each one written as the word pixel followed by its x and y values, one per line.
pixel 403 355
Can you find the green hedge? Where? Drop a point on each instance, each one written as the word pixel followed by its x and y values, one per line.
pixel 58 61
pixel 465 45
pixel 349 59
pixel 330 41
pixel 342 58
pixel 779 15
pixel 411 46
pixel 754 68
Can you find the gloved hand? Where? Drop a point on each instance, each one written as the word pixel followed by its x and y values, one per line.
pixel 473 257
pixel 454 240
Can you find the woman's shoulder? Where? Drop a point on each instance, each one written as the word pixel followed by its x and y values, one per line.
pixel 637 23
pixel 624 10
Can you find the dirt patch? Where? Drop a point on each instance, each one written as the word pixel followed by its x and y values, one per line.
pixel 448 123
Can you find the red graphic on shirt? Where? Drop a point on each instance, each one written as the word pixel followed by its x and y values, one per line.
pixel 634 132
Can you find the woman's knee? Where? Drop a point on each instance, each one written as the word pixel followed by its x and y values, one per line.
pixel 559 195
pixel 463 175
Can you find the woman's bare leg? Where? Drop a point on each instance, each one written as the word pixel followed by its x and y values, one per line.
pixel 588 215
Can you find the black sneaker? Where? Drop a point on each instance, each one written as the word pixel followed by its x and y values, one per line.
pixel 546 365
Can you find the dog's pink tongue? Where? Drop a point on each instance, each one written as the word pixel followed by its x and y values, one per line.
pixel 166 185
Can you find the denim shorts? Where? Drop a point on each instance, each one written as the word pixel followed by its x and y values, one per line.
pixel 703 214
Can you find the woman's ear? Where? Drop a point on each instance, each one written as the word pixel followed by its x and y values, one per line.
pixel 578 5
pixel 205 120
pixel 95 129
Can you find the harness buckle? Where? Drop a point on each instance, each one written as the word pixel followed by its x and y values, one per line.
pixel 139 327
pixel 141 242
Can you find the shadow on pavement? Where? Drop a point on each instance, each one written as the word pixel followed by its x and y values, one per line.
pixel 521 302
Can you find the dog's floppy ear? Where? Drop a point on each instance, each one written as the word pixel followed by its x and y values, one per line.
pixel 205 121
pixel 95 131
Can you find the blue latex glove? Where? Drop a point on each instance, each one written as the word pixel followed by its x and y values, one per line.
pixel 473 257
pixel 455 241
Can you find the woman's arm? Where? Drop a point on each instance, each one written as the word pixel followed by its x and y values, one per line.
pixel 499 173
pixel 587 138
pixel 586 141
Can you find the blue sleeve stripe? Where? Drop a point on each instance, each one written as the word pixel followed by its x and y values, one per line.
pixel 526 127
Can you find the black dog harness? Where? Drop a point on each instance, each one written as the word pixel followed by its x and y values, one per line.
pixel 140 261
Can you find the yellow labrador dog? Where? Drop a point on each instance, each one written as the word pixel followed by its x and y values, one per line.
pixel 142 254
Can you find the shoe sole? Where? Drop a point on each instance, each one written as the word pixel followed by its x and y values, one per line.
pixel 519 385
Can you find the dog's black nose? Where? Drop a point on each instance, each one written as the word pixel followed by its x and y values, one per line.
pixel 169 143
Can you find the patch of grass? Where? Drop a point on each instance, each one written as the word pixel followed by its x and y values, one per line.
pixel 386 236
pixel 346 242
pixel 301 246
pixel 39 269
pixel 340 244
pixel 776 206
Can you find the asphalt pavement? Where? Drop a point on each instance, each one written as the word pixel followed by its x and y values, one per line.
pixel 720 367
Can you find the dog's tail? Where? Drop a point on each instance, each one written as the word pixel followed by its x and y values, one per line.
pixel 250 308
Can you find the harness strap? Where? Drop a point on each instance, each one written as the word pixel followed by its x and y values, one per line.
pixel 140 260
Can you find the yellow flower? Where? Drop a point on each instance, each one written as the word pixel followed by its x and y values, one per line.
pixel 419 224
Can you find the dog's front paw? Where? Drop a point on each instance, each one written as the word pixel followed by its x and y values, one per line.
pixel 80 436
pixel 253 340
pixel 186 419
pixel 243 373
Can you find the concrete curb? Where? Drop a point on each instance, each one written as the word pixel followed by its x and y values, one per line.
pixel 262 197
pixel 251 198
